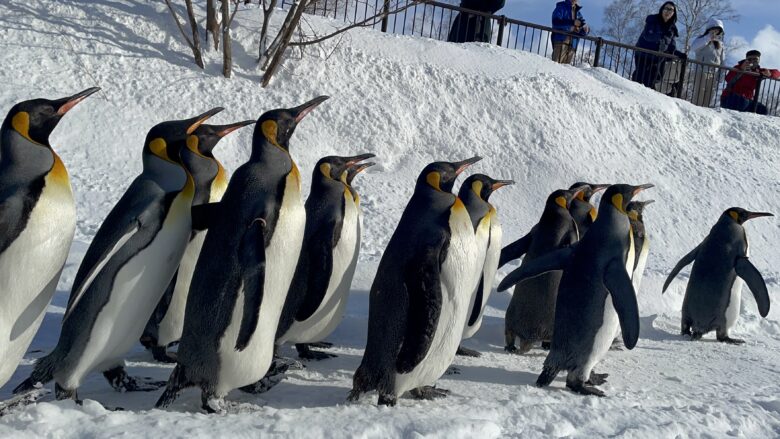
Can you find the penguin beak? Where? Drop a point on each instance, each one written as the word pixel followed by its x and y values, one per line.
pixel 461 166
pixel 361 167
pixel 501 183
pixel 224 130
pixel 197 121
pixel 599 187
pixel 299 112
pixel 751 215
pixel 71 101
pixel 352 161
pixel 579 192
pixel 645 203
pixel 641 187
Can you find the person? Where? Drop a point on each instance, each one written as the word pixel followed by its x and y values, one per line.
pixel 741 88
pixel 658 35
pixel 567 17
pixel 469 27
pixel 708 48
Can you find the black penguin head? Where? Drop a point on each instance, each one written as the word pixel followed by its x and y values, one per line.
pixel 36 119
pixel 165 140
pixel 741 215
pixel 635 209
pixel 587 190
pixel 208 136
pixel 357 169
pixel 276 127
pixel 618 196
pixel 483 186
pixel 441 175
pixel 562 198
pixel 337 167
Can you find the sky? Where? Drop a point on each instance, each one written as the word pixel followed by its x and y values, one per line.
pixel 758 28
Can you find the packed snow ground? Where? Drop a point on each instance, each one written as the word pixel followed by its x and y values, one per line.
pixel 412 101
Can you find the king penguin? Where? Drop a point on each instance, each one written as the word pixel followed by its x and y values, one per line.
pixel 37 221
pixel 126 269
pixel 640 239
pixel 319 285
pixel 165 326
pixel 245 268
pixel 531 312
pixel 583 212
pixel 595 294
pixel 419 299
pixel 720 264
pixel 474 193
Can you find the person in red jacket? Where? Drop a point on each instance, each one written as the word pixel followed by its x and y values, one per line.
pixel 741 88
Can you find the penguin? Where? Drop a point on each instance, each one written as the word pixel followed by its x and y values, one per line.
pixel 583 212
pixel 419 299
pixel 165 326
pixel 640 239
pixel 594 296
pixel 320 286
pixel 474 193
pixel 244 269
pixel 720 264
pixel 126 269
pixel 531 312
pixel 37 221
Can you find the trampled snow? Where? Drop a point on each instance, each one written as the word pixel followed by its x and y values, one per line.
pixel 412 101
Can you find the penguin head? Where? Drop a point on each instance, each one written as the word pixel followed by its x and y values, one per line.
pixel 740 215
pixel 165 140
pixel 562 198
pixel 276 127
pixel 587 190
pixel 197 151
pixel 36 119
pixel 337 167
pixel 357 169
pixel 441 175
pixel 635 209
pixel 209 135
pixel 482 185
pixel 618 196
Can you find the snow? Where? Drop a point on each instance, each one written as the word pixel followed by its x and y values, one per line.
pixel 412 101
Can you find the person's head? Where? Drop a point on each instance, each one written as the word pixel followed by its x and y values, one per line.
pixel 753 57
pixel 715 27
pixel 668 12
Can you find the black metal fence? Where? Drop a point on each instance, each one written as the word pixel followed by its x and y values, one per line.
pixel 700 83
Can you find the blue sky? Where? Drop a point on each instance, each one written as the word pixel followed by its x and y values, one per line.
pixel 759 26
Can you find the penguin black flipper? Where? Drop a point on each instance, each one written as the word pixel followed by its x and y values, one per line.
pixel 687 259
pixel 320 253
pixel 204 215
pixel 749 273
pixel 252 251
pixel 516 249
pixel 423 285
pixel 12 209
pixel 554 260
pixel 623 300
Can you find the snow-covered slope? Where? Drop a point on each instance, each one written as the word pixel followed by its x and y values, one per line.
pixel 412 101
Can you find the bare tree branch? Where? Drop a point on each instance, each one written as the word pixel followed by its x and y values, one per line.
pixel 195 52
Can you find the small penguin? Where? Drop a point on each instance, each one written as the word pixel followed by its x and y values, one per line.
pixel 640 239
pixel 474 193
pixel 37 221
pixel 720 264
pixel 583 212
pixel 245 268
pixel 420 296
pixel 531 312
pixel 330 240
pixel 595 294
pixel 165 325
pixel 126 269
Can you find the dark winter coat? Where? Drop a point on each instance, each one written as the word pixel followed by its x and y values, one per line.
pixel 468 27
pixel 659 35
pixel 563 19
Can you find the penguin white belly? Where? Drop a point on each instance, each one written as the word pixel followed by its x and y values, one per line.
pixel 639 272
pixel 735 298
pixel 137 288
pixel 604 336
pixel 492 256
pixel 630 257
pixel 312 329
pixel 458 279
pixel 239 368
pixel 172 325
pixel 29 270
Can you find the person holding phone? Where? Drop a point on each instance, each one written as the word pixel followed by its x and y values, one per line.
pixel 741 88
pixel 708 48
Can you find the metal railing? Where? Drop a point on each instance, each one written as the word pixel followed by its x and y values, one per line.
pixel 700 83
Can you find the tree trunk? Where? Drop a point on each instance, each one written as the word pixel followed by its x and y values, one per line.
pixel 195 34
pixel 297 9
pixel 212 25
pixel 195 51
pixel 267 13
pixel 227 54
pixel 270 53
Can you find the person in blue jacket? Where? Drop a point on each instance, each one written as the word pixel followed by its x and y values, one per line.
pixel 568 18
pixel 469 27
pixel 659 34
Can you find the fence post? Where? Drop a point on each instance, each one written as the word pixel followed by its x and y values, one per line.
pixel 599 44
pixel 681 79
pixel 501 25
pixel 385 16
pixel 758 92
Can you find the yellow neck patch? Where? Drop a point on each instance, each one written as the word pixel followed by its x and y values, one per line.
pixel 192 144
pixel 581 196
pixel 343 178
pixel 734 215
pixel 593 212
pixel 325 170
pixel 159 148
pixel 434 179
pixel 633 215
pixel 617 201
pixel 270 130
pixel 561 201
pixel 476 186
pixel 21 124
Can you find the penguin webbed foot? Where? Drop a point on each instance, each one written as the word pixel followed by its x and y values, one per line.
pixel 428 393
pixel 579 387
pixel 305 353
pixel 546 345
pixel 387 399
pixel 465 352
pixel 452 370
pixel 122 382
pixel 729 340
pixel 696 336
pixel 22 399
pixel 597 379
pixel 274 376
pixel 161 354
pixel 321 345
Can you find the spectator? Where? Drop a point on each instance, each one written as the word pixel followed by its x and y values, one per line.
pixel 567 17
pixel 708 48
pixel 741 88
pixel 658 35
pixel 469 27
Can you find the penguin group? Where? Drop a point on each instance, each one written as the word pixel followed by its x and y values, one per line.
pixel 231 269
